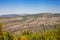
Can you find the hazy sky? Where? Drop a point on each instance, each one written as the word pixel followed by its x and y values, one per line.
pixel 29 6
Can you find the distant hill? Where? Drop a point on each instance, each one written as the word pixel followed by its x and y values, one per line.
pixel 9 15
pixel 33 22
pixel 14 15
pixel 24 15
pixel 45 14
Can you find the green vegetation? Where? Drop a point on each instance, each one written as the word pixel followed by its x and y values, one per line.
pixel 28 35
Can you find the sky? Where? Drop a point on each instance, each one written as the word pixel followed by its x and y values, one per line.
pixel 29 6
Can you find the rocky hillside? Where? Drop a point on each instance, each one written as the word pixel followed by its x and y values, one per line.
pixel 34 22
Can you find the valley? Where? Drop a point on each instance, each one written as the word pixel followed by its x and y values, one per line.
pixel 33 22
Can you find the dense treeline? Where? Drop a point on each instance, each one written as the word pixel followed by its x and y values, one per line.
pixel 28 35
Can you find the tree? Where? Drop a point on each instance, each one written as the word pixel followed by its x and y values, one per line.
pixel 9 36
pixel 0 28
pixel 1 33
pixel 24 37
pixel 58 31
pixel 50 35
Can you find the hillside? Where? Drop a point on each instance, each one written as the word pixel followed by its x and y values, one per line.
pixel 33 22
